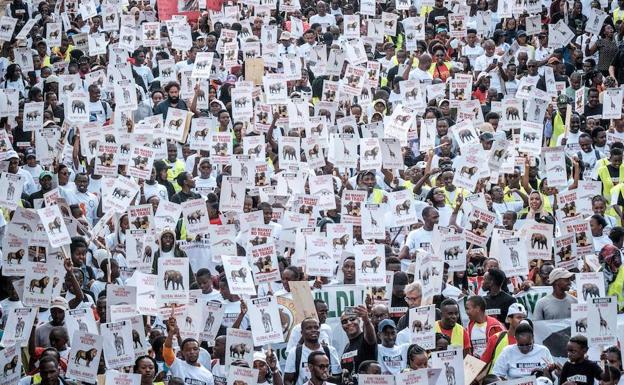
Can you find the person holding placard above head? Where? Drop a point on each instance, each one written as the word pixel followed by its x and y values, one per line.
pixel 188 368
pixel 362 344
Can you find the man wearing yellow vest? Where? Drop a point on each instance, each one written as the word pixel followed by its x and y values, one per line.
pixel 611 174
pixel 618 13
pixel 448 325
pixel 558 119
pixel 495 344
pixel 176 166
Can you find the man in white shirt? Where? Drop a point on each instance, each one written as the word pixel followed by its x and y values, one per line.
pixel 189 369
pixel 322 17
pixel 88 202
pixel 422 237
pixel 488 62
pixel 140 68
pixel 420 73
pixel 29 185
pixel 99 110
pixel 472 50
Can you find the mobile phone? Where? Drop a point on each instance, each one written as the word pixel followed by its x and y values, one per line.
pixel 495 61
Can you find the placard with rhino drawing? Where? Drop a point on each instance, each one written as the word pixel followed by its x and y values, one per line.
pixel 602 321
pixel 84 356
pixel 238 274
pixel 18 326
pixel 11 364
pixel 211 321
pixel 451 245
pixel 33 116
pixel 429 272
pixel 117 338
pixel 195 214
pixel 554 159
pixel 530 140
pixel 370 264
pixel 54 225
pixel 239 375
pixel 479 227
pixel 123 192
pixel 239 345
pixel 141 161
pixel 173 280
pixel 589 286
pixel 264 318
pixel 421 322
pixel 538 239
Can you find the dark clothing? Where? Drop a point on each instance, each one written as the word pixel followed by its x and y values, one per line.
pixel 583 373
pixel 163 107
pixel 437 13
pixel 618 63
pixel 35 195
pixel 357 351
pixel 496 306
pixel 181 197
pixel 170 189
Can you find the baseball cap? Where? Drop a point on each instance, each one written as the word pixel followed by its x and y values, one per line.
pixel 521 33
pixel 486 137
pixel 562 99
pixel 387 322
pixel 285 35
pixel 30 152
pixel 558 273
pixel 259 356
pixel 516 308
pixel 59 303
pixel 44 174
pixel 11 154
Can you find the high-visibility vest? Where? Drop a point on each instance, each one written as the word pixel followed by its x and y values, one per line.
pixel 607 183
pixel 377 196
pixel 616 288
pixel 447 195
pixel 618 14
pixel 510 197
pixel 498 349
pixel 409 186
pixel 558 129
pixel 457 335
pixel 178 167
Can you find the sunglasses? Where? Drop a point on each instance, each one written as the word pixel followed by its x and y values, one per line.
pixel 347 320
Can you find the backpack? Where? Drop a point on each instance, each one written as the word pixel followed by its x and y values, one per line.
pixel 299 352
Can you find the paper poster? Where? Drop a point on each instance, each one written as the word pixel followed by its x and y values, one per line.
pixel 264 263
pixel 18 326
pixel 511 253
pixel 10 361
pixel 33 116
pixel 213 316
pixel 117 338
pixel 141 161
pixel 123 192
pixel 602 321
pixel 38 285
pixel 538 240
pixel 264 317
pixel 189 321
pixel 195 214
pixel 146 293
pixel 351 209
pixel 372 221
pixel 239 345
pixel 451 362
pixel 77 107
pixel 531 138
pixel 554 158
pixel 589 286
pixel 565 251
pixel 481 223
pixel 414 377
pixel 319 260
pixel 80 320
pixel 450 244
pixel 238 273
pixel 175 125
pixel 612 102
pixel 84 356
pixel 421 321
pixel 289 151
pixel 114 377
pixel 370 264
pixel 232 195
pixel 54 225
pixel 579 319
pixel 239 375
pixel 173 280
pixel 15 255
pixel 584 239
pixel 11 186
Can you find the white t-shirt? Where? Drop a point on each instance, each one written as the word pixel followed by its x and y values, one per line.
pixel 194 375
pixel 88 203
pixel 420 75
pixel 155 189
pixel 472 52
pixel 304 373
pixel 392 360
pixel 325 334
pixel 420 238
pixel 231 312
pixel 478 339
pixel 328 19
pixel 513 364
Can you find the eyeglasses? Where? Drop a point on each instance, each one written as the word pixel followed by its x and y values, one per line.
pixel 347 320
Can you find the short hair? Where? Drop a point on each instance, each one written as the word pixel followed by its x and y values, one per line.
pixel 524 328
pixel 414 286
pixel 318 301
pixel 77 242
pixel 616 234
pixel 170 85
pixel 616 151
pixel 600 219
pixel 188 340
pixel 580 340
pixel 181 178
pixel 427 211
pixel 477 301
pixel 365 365
pixel 498 276
pixel 203 272
pixel 447 302
pixel 313 355
pixel 47 359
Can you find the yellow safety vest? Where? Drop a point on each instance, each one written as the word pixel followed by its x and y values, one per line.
pixel 377 196
pixel 409 186
pixel 607 183
pixel 616 288
pixel 558 129
pixel 510 198
pixel 457 336
pixel 498 349
pixel 447 195
pixel 178 167
pixel 618 14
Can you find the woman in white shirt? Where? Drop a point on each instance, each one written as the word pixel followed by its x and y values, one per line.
pixel 521 359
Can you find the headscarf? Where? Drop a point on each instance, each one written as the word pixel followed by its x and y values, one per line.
pixel 611 264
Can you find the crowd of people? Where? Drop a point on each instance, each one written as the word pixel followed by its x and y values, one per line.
pixel 454 159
